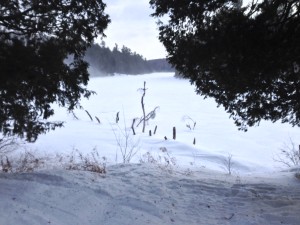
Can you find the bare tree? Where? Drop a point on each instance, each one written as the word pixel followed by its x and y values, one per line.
pixel 126 143
pixel 228 163
pixel 8 144
pixel 143 106
pixel 289 155
pixel 151 115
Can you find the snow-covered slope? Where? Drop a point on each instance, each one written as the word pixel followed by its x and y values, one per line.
pixel 140 194
pixel 177 183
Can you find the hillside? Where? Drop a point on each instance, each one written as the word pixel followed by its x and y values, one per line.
pixel 160 65
pixel 104 61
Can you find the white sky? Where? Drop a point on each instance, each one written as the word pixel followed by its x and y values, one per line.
pixel 131 25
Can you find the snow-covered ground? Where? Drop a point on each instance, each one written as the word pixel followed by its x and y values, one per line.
pixel 182 183
pixel 140 194
pixel 215 133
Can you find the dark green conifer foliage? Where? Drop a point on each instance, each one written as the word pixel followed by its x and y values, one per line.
pixel 122 61
pixel 36 38
pixel 246 57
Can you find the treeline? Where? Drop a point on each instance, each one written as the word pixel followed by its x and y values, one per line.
pixel 122 61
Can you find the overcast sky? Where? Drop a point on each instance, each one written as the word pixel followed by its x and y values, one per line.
pixel 131 25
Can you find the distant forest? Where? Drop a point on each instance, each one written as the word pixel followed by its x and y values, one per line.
pixel 122 61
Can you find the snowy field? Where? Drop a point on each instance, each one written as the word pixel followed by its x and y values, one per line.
pixel 168 181
pixel 215 133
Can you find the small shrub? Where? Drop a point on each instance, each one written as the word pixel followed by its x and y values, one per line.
pixel 163 160
pixel 6 165
pixel 8 145
pixel 128 147
pixel 228 164
pixel 90 162
pixel 289 155
pixel 190 123
pixel 28 162
pixel 24 162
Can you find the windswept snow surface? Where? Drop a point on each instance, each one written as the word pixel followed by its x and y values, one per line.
pixel 142 194
pixel 194 188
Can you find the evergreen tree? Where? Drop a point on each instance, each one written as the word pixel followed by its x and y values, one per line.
pixel 246 57
pixel 122 61
pixel 36 37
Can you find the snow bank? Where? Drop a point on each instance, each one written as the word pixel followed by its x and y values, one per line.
pixel 142 194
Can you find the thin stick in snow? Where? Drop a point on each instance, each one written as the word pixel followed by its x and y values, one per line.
pixel 132 126
pixel 156 129
pixel 89 115
pixel 174 133
pixel 98 119
pixel 143 107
